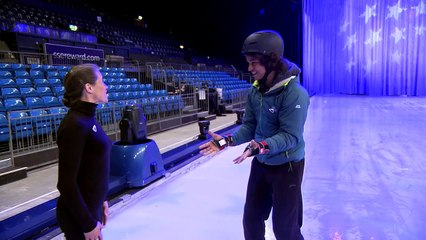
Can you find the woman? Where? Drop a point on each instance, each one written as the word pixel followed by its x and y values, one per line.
pixel 84 156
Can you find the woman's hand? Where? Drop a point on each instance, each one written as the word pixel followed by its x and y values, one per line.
pixel 95 234
pixel 105 213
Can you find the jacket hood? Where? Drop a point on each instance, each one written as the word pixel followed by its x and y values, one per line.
pixel 283 78
pixel 293 70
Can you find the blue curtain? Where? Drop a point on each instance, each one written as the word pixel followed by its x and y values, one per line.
pixel 375 48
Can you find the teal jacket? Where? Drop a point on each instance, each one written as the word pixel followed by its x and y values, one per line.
pixel 278 117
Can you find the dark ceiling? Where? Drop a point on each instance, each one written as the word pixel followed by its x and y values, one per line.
pixel 215 27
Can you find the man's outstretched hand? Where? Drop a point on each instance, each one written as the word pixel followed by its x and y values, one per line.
pixel 210 147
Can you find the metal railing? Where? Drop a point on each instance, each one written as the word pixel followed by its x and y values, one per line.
pixel 27 133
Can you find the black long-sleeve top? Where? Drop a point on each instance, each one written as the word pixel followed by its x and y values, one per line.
pixel 84 164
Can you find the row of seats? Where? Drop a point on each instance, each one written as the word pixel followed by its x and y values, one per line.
pixel 150 105
pixel 12 104
pixel 50 68
pixel 212 79
pixel 43 121
pixel 25 124
pixel 26 82
pixel 51 82
pixel 13 92
pixel 33 74
pixel 39 67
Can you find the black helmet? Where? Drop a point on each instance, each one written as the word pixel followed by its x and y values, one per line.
pixel 264 42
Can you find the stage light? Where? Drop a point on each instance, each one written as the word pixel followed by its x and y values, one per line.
pixel 204 128
pixel 73 27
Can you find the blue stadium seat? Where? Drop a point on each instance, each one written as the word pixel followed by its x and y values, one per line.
pixel 34 74
pixel 118 81
pixel 180 102
pixel 18 66
pixel 21 124
pixel 49 68
pixel 36 67
pixel 133 81
pixel 115 96
pixel 143 94
pixel 155 106
pixel 42 122
pixel 14 104
pixel 55 82
pixel 112 75
pixel 22 74
pixel 52 74
pixel 2 107
pixel 24 82
pixel 58 90
pixel 6 74
pixel 3 120
pixel 162 92
pixel 106 113
pixel 63 68
pixel 41 82
pixel 135 87
pixel 62 74
pixel 169 102
pixel 4 128
pixel 128 95
pixel 147 106
pixel 111 88
pixel 107 81
pixel 118 110
pixel 44 91
pixel 51 101
pixel 133 94
pixel 57 115
pixel 11 92
pixel 7 82
pixel 104 69
pixel 28 92
pixel 5 67
pixel 34 102
pixel 162 102
pixel 118 88
pixel 127 87
pixel 131 102
pixel 143 87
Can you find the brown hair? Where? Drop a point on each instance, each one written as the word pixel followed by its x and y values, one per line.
pixel 75 80
pixel 272 62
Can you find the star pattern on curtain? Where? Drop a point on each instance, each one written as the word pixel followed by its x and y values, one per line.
pixel 395 11
pixel 374 47
pixel 375 32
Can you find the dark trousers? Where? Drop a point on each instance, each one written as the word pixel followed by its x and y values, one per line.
pixel 276 188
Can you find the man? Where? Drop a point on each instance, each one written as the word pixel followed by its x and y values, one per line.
pixel 274 120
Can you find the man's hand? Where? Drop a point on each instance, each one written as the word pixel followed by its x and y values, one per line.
pixel 210 147
pixel 251 149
